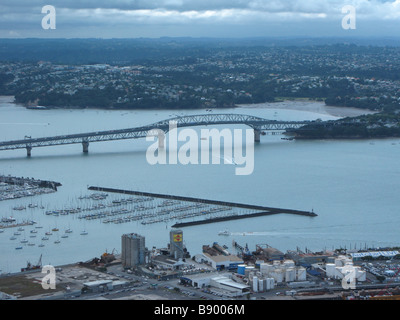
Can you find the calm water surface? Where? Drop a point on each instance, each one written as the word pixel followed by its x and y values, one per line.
pixel 353 186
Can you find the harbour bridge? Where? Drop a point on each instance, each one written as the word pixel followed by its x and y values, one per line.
pixel 259 125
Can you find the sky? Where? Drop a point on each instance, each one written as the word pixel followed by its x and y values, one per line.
pixel 198 18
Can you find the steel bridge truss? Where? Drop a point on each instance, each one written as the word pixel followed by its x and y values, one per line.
pixel 258 124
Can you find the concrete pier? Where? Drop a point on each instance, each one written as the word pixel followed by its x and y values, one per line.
pixel 257 135
pixel 28 151
pixel 85 145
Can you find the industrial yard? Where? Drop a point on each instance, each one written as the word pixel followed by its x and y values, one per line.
pixel 217 273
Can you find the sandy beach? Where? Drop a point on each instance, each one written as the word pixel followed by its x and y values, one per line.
pixel 311 106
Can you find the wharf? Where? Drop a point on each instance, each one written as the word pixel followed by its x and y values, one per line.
pixel 261 210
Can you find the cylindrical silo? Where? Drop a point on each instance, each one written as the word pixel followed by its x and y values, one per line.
pixel 301 274
pixel 255 284
pixel 261 287
pixel 290 274
pixel 241 269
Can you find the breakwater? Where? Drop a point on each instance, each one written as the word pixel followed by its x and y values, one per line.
pixel 260 210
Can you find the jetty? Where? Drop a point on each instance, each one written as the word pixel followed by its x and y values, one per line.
pixel 222 206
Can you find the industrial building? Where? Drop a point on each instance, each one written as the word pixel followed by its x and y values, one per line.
pixel 218 257
pixel 133 251
pixel 223 284
pixel 103 286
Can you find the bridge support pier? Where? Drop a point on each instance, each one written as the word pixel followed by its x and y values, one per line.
pixel 28 151
pixel 257 135
pixel 161 139
pixel 85 145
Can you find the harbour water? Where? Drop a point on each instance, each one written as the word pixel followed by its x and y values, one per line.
pixel 352 185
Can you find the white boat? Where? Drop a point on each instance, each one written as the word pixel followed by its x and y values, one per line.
pixel 224 233
pixel 84 232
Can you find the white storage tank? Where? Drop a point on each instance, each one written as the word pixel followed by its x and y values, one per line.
pixel 278 275
pixel 270 283
pixel 261 285
pixel 266 268
pixel 301 274
pixel 290 275
pixel 248 270
pixel 289 263
pixel 255 284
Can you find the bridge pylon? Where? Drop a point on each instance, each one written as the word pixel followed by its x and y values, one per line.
pixel 28 151
pixel 85 145
pixel 257 135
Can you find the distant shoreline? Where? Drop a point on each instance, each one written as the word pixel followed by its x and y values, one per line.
pixel 311 106
pixel 305 105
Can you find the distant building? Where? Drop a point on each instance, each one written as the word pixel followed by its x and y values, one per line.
pixel 133 251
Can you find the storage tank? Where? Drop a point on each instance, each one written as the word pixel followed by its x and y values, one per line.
pixel 248 270
pixel 276 263
pixel 261 285
pixel 289 263
pixel 290 274
pixel 301 274
pixel 266 268
pixel 278 275
pixel 241 268
pixel 255 284
pixel 270 283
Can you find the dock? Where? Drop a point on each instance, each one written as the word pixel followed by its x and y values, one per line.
pixel 259 210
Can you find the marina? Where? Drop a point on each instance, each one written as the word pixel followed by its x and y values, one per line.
pixel 15 188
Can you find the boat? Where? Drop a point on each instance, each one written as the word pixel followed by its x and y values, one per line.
pixel 68 231
pixel 30 266
pixel 41 245
pixel 55 229
pixel 224 233
pixel 45 238
pixel 64 236
pixel 18 248
pixel 48 233
pixel 57 241
pixel 84 232
pixel 13 238
pixel 24 241
pixel 17 233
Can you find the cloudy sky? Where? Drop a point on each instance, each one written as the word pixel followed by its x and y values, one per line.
pixel 198 18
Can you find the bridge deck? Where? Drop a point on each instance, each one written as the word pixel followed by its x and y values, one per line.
pixel 256 123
